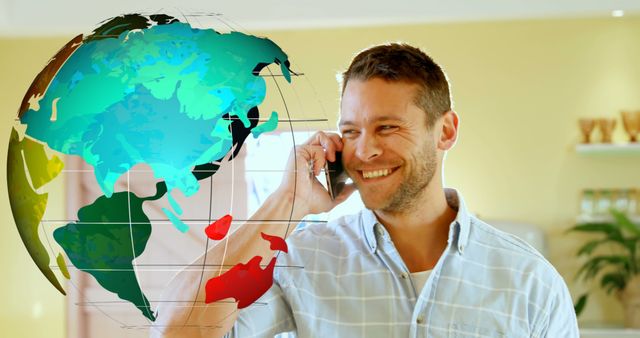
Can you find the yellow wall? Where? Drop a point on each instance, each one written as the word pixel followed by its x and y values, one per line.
pixel 518 86
pixel 32 307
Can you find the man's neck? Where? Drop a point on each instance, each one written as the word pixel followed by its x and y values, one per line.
pixel 420 233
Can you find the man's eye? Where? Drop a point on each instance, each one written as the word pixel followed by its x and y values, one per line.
pixel 387 128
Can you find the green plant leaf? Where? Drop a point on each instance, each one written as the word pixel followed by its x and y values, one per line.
pixel 605 228
pixel 630 244
pixel 612 232
pixel 580 304
pixel 588 248
pixel 589 268
pixel 609 230
pixel 625 222
pixel 613 281
pixel 593 266
pixel 627 243
pixel 615 268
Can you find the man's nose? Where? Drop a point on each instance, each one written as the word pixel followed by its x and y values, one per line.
pixel 368 147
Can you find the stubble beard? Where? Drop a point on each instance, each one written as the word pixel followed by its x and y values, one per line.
pixel 408 195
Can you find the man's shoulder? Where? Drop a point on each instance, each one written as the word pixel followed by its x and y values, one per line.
pixel 501 261
pixel 489 236
pixel 503 249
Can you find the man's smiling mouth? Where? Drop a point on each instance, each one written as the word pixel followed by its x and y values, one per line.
pixel 369 174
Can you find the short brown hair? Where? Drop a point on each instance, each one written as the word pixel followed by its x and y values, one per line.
pixel 402 62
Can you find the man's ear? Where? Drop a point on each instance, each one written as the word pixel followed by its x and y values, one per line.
pixel 449 131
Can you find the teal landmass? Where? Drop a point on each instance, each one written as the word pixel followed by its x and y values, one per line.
pixel 157 96
pixel 104 242
pixel 270 125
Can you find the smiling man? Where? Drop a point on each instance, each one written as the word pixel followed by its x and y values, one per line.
pixel 414 263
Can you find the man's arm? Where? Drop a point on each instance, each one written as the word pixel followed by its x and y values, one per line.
pixel 562 316
pixel 299 194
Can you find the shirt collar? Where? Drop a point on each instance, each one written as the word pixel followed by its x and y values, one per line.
pixel 369 224
pixel 458 230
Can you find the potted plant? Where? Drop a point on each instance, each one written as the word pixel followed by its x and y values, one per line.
pixel 617 270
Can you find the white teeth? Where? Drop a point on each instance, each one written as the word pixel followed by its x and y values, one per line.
pixel 376 173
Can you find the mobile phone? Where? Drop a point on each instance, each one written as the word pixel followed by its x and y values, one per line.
pixel 336 176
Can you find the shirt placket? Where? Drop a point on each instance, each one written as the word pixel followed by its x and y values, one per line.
pixel 391 258
pixel 424 303
pixel 419 299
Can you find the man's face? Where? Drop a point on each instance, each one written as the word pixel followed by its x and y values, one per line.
pixel 388 151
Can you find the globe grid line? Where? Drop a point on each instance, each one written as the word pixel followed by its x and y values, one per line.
pixel 159 301
pixel 216 266
pixel 193 171
pixel 210 205
pixel 204 260
pixel 199 265
pixel 295 156
pixel 226 239
pixel 133 252
pixel 187 220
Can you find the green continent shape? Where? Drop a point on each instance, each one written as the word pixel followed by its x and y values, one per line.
pixel 27 206
pixel 109 234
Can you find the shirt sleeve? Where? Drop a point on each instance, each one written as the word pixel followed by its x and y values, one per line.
pixel 267 317
pixel 562 316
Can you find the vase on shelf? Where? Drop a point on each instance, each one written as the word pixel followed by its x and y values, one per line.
pixel 631 124
pixel 606 127
pixel 586 127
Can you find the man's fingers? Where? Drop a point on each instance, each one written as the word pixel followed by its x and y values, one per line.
pixel 314 139
pixel 330 142
pixel 327 144
pixel 314 156
pixel 337 140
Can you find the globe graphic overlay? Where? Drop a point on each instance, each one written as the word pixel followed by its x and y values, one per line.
pixel 141 89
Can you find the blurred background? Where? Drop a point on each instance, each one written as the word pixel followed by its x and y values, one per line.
pixel 522 73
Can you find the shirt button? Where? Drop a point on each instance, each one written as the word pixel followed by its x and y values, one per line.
pixel 420 320
pixel 403 276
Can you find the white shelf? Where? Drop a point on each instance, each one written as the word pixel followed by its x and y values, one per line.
pixel 601 330
pixel 608 148
pixel 608 333
pixel 604 219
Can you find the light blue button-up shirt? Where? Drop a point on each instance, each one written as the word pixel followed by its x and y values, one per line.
pixel 345 278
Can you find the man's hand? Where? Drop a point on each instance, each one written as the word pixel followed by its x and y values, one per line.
pixel 300 182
